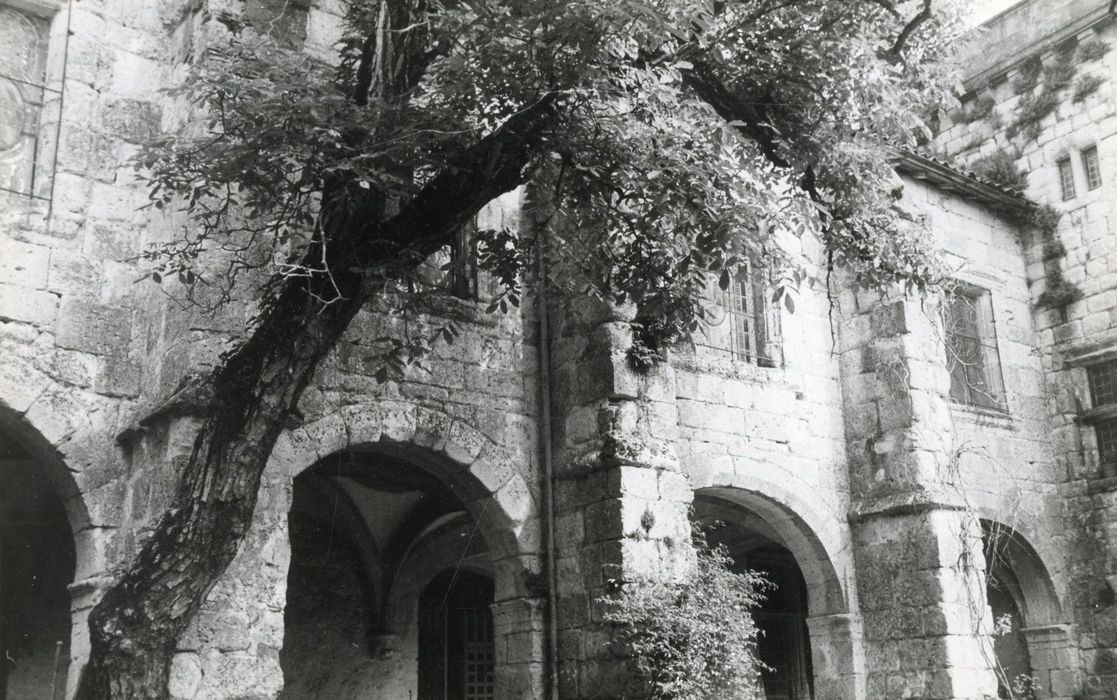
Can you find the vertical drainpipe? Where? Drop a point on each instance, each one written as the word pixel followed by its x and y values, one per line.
pixel 544 355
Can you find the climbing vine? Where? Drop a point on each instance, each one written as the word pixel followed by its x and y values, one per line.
pixel 1087 85
pixel 1059 291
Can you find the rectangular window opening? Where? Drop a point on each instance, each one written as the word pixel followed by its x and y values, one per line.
pixel 1102 381
pixel 1066 179
pixel 742 321
pixel 1092 167
pixel 971 349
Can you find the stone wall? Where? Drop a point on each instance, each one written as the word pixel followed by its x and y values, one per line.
pixel 846 452
pixel 69 311
pixel 1078 39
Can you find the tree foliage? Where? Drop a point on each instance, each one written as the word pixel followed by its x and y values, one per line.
pixel 681 139
pixel 692 639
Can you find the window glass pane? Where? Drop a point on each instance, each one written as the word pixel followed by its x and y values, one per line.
pixel 741 322
pixel 1066 179
pixel 971 350
pixel 1103 383
pixel 1092 167
pixel 23 56
pixel 1106 433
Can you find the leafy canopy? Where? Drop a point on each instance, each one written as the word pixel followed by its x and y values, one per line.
pixel 678 139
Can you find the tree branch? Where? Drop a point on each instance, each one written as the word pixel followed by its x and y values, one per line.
pixel 909 28
pixel 750 118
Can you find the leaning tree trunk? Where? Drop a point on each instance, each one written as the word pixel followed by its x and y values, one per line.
pixel 136 626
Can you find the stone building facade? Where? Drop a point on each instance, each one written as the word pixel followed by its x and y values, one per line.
pixel 929 483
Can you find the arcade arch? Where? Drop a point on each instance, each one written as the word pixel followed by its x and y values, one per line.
pixel 375 527
pixel 40 512
pixel 1024 605
pixel 806 660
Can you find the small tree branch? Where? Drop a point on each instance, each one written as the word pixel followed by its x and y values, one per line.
pixel 891 9
pixel 909 28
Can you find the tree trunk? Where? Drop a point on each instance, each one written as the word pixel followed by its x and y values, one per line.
pixel 135 628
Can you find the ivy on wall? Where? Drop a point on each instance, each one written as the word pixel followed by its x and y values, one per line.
pixel 1087 85
pixel 1035 106
pixel 978 109
pixel 1039 87
pixel 1059 291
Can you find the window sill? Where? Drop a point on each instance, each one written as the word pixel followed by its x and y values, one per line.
pixel 1099 414
pixel 1101 484
pixel 725 366
pixel 448 306
pixel 984 416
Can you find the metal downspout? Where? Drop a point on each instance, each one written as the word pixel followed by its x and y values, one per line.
pixel 544 354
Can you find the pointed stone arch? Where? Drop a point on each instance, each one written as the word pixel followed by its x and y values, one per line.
pixel 1020 591
pixel 403 445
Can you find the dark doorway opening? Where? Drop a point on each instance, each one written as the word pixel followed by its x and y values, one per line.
pixel 372 533
pixel 456 654
pixel 37 558
pixel 783 643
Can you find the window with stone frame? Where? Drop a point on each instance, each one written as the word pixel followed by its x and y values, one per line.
pixel 742 321
pixel 29 102
pixel 1102 379
pixel 1066 179
pixel 1092 167
pixel 972 357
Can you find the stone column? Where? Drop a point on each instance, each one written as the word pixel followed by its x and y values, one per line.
pixel 85 593
pixel 1053 653
pixel 518 631
pixel 917 552
pixel 837 656
pixel 621 501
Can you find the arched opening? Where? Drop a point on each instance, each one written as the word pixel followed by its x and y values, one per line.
pixel 754 544
pixel 37 560
pixel 1020 595
pixel 390 583
pixel 1014 664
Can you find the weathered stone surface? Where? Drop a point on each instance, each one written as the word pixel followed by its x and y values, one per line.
pixel 93 327
pixel 856 419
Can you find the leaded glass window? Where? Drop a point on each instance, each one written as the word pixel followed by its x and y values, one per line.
pixel 23 94
pixel 741 320
pixel 1102 379
pixel 1103 383
pixel 971 349
pixel 1106 434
